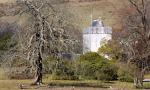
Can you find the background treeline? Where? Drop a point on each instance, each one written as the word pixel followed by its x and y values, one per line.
pixel 90 66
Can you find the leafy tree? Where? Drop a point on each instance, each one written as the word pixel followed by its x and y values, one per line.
pixel 112 49
pixel 93 66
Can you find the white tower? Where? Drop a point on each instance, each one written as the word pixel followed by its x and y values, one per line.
pixel 94 35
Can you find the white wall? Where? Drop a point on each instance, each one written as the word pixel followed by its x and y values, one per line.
pixel 92 42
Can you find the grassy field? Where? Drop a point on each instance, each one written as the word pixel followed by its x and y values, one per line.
pixel 49 84
pixel 67 85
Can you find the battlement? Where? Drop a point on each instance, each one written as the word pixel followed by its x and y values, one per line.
pixel 98 27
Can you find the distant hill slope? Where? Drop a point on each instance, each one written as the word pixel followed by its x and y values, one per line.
pixel 108 10
pixel 7 1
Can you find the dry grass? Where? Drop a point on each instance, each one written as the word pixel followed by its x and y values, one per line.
pixel 3 75
pixel 109 10
pixel 68 85
pixel 14 85
pixel 123 85
pixel 147 76
pixel 11 84
pixel 6 84
pixel 7 1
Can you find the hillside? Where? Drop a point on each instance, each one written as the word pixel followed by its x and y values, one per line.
pixel 6 1
pixel 108 10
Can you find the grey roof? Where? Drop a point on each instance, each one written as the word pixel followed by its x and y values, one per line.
pixel 97 23
pixel 98 28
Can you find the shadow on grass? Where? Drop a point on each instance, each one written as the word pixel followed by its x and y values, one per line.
pixel 109 82
pixel 79 84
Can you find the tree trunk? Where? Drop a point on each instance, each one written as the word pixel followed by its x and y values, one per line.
pixel 39 67
pixel 138 80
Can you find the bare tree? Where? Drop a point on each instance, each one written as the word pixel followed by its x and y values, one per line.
pixel 135 39
pixel 45 35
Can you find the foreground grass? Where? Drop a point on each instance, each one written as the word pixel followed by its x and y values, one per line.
pixel 68 85
pixel 87 83
pixel 11 84
pixel 50 84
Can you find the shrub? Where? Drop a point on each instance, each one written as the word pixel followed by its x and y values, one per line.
pixel 93 66
pixel 124 76
pixel 20 73
pixel 90 66
pixel 60 69
pixel 107 73
pixel 49 64
pixel 65 70
pixel 18 68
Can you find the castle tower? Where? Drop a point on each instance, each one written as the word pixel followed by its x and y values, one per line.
pixel 94 35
